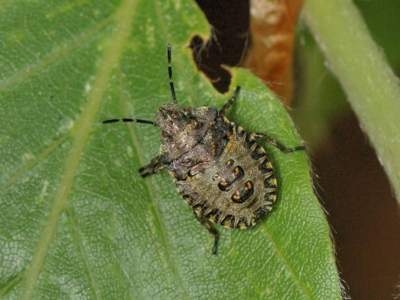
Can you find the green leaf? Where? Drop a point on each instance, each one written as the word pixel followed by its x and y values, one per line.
pixel 370 84
pixel 319 97
pixel 76 219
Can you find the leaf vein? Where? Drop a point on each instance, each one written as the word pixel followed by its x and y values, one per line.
pixel 149 186
pixel 291 272
pixel 54 55
pixel 30 164
pixel 110 59
pixel 77 240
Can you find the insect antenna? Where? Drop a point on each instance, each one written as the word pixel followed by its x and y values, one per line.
pixel 128 120
pixel 171 82
pixel 171 87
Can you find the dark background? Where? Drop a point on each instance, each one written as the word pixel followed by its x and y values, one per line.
pixel 362 210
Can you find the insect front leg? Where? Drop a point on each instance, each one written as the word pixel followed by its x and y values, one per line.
pixel 155 165
pixel 277 144
pixel 212 230
pixel 228 104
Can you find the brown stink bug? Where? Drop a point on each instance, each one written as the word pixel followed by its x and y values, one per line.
pixel 221 170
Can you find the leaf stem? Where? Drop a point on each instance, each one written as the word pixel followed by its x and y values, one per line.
pixel 371 86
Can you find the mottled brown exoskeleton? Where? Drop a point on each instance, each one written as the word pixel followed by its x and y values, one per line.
pixel 221 170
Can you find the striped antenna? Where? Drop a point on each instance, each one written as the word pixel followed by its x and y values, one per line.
pixel 171 82
pixel 109 121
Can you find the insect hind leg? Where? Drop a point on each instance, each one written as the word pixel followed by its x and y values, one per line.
pixel 211 229
pixel 280 146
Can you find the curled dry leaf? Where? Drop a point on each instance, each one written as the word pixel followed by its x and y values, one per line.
pixel 270 55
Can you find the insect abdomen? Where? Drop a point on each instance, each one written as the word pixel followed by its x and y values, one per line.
pixel 238 188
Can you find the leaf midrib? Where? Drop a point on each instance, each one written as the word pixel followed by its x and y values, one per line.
pixel 111 56
pixel 149 187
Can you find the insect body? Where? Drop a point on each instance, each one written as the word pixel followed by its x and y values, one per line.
pixel 221 170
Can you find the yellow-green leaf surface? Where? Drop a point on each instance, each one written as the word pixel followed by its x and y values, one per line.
pixel 76 219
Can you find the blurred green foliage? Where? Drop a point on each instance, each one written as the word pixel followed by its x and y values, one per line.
pixel 320 100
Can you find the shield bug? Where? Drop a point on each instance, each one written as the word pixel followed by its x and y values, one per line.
pixel 220 169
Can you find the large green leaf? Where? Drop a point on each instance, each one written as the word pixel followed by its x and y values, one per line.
pixel 76 219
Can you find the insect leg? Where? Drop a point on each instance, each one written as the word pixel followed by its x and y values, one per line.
pixel 155 165
pixel 279 145
pixel 228 104
pixel 212 230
